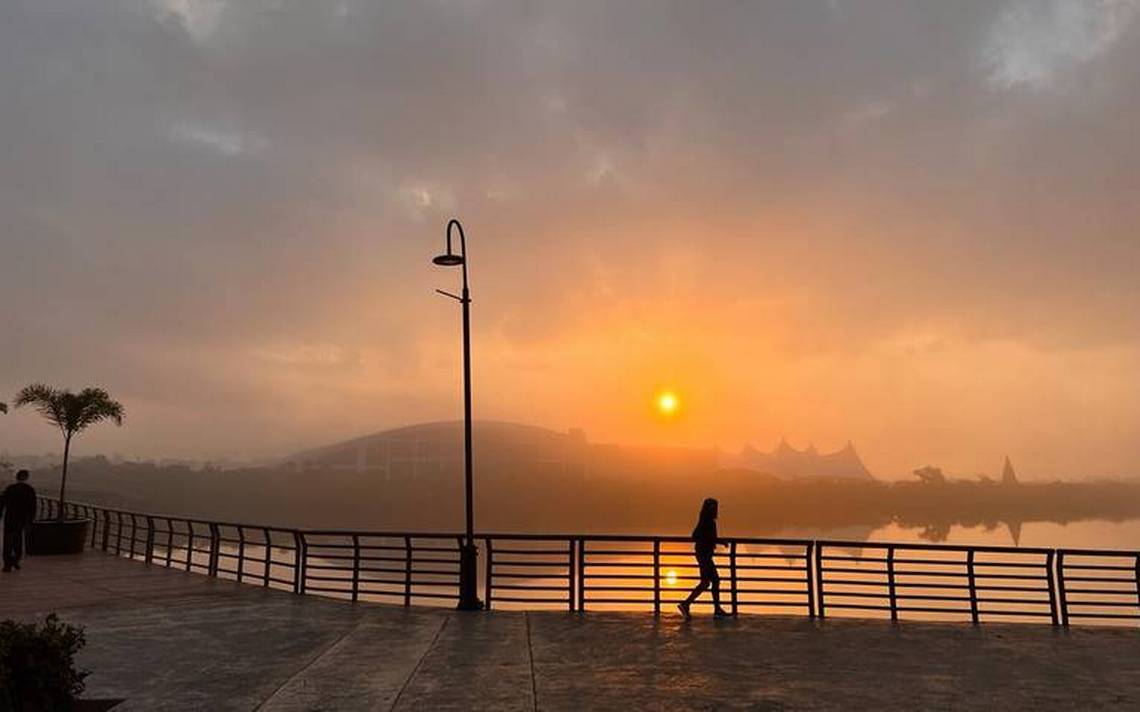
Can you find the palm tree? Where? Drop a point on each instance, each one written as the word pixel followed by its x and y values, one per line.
pixel 71 413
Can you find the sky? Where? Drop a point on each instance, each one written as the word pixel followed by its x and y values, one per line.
pixel 909 225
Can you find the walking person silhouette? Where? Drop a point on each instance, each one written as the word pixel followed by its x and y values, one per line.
pixel 18 508
pixel 705 542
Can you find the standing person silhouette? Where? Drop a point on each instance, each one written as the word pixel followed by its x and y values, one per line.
pixel 18 507
pixel 705 538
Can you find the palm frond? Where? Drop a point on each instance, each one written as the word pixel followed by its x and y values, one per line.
pixel 71 412
pixel 96 405
pixel 47 401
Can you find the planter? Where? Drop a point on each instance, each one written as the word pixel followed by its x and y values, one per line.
pixel 51 536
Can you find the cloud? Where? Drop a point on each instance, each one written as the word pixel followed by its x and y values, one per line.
pixel 200 18
pixel 1033 41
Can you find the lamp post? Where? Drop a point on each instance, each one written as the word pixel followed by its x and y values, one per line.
pixel 468 597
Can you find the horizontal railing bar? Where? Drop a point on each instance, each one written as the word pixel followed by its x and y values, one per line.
pixel 647 577
pixel 559 564
pixel 931 597
pixel 1010 565
pixel 900 546
pixel 532 552
pixel 519 599
pixel 1022 577
pixel 543 577
pixel 1091 579
pixel 1099 552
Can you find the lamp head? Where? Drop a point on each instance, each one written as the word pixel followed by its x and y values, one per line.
pixel 448 260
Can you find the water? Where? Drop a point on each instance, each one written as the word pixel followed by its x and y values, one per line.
pixel 1089 534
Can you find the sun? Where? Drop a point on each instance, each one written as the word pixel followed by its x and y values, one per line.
pixel 667 403
pixel 671 577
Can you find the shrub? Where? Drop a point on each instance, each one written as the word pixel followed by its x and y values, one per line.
pixel 37 665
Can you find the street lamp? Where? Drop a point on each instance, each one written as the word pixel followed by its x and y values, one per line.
pixel 468 597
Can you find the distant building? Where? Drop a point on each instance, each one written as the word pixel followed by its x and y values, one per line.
pixel 786 461
pixel 1008 476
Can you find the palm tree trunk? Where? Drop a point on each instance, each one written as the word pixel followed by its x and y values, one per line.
pixel 63 475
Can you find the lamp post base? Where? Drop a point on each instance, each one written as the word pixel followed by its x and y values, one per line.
pixel 468 579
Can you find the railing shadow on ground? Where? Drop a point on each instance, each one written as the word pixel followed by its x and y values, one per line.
pixel 572 572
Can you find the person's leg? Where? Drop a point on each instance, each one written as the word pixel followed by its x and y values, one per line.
pixel 701 587
pixel 18 545
pixel 716 590
pixel 9 544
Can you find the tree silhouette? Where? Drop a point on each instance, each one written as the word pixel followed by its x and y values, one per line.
pixel 3 407
pixel 71 413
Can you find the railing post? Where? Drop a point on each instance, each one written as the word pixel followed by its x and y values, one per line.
pixel 732 572
pixel 489 581
pixel 215 550
pixel 1049 576
pixel 106 529
pixel 298 562
pixel 189 544
pixel 970 577
pixel 808 556
pixel 119 534
pixel 94 527
pixel 819 580
pixel 241 552
pixel 461 544
pixel 571 567
pixel 581 575
pixel 656 577
pixel 134 534
pixel 355 567
pixel 268 557
pixel 1138 579
pixel 408 570
pixel 149 539
pixel 891 583
pixel 1061 588
pixel 169 542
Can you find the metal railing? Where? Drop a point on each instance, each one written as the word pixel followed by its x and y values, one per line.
pixel 576 572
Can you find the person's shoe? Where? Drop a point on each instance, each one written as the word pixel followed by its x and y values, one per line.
pixel 721 613
pixel 684 609
pixel 6 569
pixel 16 566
